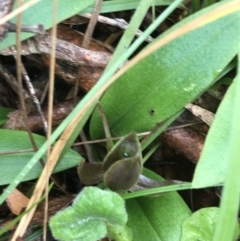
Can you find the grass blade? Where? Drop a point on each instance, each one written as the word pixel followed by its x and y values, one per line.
pixel 230 198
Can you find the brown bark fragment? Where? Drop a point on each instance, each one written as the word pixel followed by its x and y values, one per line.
pixel 69 55
pixel 88 75
pixel 72 53
pixel 54 205
pixel 60 111
pixel 64 51
pixel 185 141
pixel 67 34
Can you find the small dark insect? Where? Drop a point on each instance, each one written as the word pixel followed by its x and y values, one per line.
pixel 152 112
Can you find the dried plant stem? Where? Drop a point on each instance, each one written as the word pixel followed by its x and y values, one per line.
pixel 50 111
pixel 105 127
pixel 87 147
pixel 86 41
pixel 33 95
pixel 117 22
pixel 92 23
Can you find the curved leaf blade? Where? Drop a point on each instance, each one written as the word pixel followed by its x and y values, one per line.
pixel 168 77
pixel 13 141
pixel 214 164
pixel 201 225
pixel 156 218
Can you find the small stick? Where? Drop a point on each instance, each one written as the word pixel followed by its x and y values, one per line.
pixel 37 28
pixel 104 140
pixel 105 127
pixel 86 41
pixel 33 95
pixel 117 22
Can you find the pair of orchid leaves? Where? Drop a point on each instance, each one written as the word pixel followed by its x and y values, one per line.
pixel 122 166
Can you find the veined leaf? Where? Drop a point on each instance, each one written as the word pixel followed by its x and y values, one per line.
pixel 166 79
pixel 11 164
pixel 201 225
pixel 213 165
pixel 156 218
pixel 95 213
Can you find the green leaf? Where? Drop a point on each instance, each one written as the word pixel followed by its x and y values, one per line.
pixel 156 218
pixel 3 114
pixel 13 141
pixel 214 164
pixel 89 216
pixel 105 205
pixel 121 5
pixel 41 13
pixel 68 226
pixel 201 225
pixel 83 107
pixel 165 79
pixel 230 199
pixel 123 164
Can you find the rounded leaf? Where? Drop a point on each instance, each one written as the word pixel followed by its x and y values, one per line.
pixel 68 226
pixel 102 205
pixel 123 174
pixel 125 148
pixel 201 225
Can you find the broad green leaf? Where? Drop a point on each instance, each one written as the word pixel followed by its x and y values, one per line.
pixel 3 114
pixel 213 164
pixel 41 13
pixel 201 225
pixel 104 205
pixel 156 218
pixel 83 108
pixel 230 199
pixel 166 79
pixel 92 213
pixel 68 226
pixel 11 164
